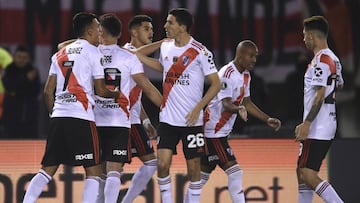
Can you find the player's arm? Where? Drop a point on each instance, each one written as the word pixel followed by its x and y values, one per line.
pixel 229 106
pixel 256 112
pixel 302 130
pixel 149 128
pixel 49 90
pixel 102 91
pixel 150 62
pixel 149 48
pixel 193 116
pixel 148 88
pixel 64 43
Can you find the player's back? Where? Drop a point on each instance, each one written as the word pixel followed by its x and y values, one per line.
pixel 75 66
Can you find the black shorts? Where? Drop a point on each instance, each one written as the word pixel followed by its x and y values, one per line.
pixel 73 142
pixel 312 153
pixel 192 139
pixel 140 142
pixel 219 152
pixel 115 144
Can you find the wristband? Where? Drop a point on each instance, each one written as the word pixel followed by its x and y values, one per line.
pixel 146 122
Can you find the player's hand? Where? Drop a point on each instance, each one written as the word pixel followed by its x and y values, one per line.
pixel 243 113
pixel 192 117
pixel 150 130
pixel 302 131
pixel 274 123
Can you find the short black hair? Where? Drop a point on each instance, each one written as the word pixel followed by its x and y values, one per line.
pixel 137 20
pixel 111 23
pixel 25 49
pixel 317 23
pixel 81 21
pixel 183 17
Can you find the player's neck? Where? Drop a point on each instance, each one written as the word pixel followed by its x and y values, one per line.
pixel 321 45
pixel 238 66
pixel 135 43
pixel 182 40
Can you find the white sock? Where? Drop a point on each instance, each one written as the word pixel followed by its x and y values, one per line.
pixel 327 193
pixel 193 192
pixel 36 186
pixel 140 180
pixel 91 189
pixel 306 194
pixel 165 189
pixel 204 178
pixel 101 197
pixel 235 184
pixel 112 186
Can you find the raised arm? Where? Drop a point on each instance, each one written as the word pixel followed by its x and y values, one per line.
pixel 149 48
pixel 64 43
pixel 150 62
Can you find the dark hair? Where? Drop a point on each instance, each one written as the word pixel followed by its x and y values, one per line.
pixel 183 17
pixel 316 23
pixel 23 48
pixel 81 21
pixel 137 20
pixel 111 23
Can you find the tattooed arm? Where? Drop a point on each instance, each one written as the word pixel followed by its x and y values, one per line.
pixel 302 130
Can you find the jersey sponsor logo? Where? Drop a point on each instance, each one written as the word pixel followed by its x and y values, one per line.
pixel 318 72
pixel 84 157
pixel 213 158
pixel 66 98
pixel 119 152
pixel 175 78
pixel 109 104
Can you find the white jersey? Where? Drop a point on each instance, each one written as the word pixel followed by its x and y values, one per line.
pixel 118 65
pixel 184 73
pixel 135 95
pixel 234 85
pixel 75 67
pixel 324 70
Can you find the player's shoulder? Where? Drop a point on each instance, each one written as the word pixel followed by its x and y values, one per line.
pixel 324 54
pixel 228 71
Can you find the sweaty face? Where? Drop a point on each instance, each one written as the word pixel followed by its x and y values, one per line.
pixel 172 27
pixel 145 33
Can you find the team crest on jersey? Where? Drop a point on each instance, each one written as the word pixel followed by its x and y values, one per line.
pixel 175 59
pixel 185 60
pixel 106 60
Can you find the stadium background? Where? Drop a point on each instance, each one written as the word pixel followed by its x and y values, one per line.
pixel 275 25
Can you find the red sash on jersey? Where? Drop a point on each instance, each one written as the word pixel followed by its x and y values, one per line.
pixel 123 102
pixel 73 85
pixel 177 69
pixel 225 116
pixel 134 95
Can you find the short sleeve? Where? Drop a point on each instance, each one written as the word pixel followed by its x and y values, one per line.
pixel 321 72
pixel 97 68
pixel 207 61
